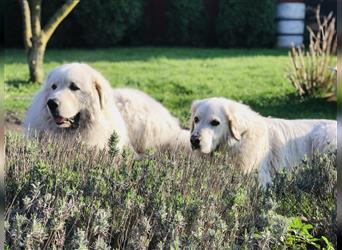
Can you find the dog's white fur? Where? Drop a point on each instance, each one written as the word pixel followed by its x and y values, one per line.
pixel 256 142
pixel 99 117
pixel 140 121
pixel 149 124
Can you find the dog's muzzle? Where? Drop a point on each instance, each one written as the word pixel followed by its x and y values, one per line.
pixel 53 105
pixel 195 141
pixel 62 122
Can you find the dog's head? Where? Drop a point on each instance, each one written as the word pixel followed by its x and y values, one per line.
pixel 214 122
pixel 73 93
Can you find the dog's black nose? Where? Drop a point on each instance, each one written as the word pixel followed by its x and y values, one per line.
pixel 53 105
pixel 195 141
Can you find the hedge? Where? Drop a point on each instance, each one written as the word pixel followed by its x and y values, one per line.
pixel 119 20
pixel 186 22
pixel 105 23
pixel 244 23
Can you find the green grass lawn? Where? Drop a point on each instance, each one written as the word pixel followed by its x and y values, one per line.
pixel 176 76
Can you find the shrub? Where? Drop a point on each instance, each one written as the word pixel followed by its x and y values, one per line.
pixel 300 237
pixel 91 24
pixel 12 23
pixel 58 197
pixel 309 71
pixel 293 191
pixel 186 22
pixel 243 23
pixel 119 22
pixel 2 5
pixel 107 23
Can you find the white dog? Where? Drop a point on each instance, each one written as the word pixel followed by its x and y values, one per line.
pixel 76 102
pixel 149 124
pixel 256 142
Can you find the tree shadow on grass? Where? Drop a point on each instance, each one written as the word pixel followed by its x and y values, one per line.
pixel 17 82
pixel 293 107
pixel 127 54
pixel 151 53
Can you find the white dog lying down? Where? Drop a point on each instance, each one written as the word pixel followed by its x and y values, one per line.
pixel 254 141
pixel 149 124
pixel 76 102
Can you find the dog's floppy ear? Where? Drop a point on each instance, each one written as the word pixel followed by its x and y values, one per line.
pixel 235 126
pixel 193 109
pixel 99 91
pixel 194 105
pixel 50 75
pixel 102 88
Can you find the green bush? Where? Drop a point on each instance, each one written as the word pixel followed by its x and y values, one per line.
pixel 106 23
pixel 243 23
pixel 300 237
pixel 2 12
pixel 186 22
pixel 119 22
pixel 12 23
pixel 91 24
pixel 69 32
pixel 315 178
pixel 69 196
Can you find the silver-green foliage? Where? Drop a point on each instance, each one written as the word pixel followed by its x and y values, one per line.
pixel 60 195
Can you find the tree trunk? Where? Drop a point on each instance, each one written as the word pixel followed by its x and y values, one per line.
pixel 35 59
pixel 36 38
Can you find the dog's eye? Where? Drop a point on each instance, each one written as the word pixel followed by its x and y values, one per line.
pixel 214 123
pixel 196 119
pixel 73 87
pixel 53 86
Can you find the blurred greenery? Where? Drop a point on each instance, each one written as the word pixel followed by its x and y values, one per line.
pixel 244 23
pixel 108 23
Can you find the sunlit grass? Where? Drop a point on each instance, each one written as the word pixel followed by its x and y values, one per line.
pixel 176 76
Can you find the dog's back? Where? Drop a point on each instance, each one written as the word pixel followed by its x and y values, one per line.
pixel 149 123
pixel 294 139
